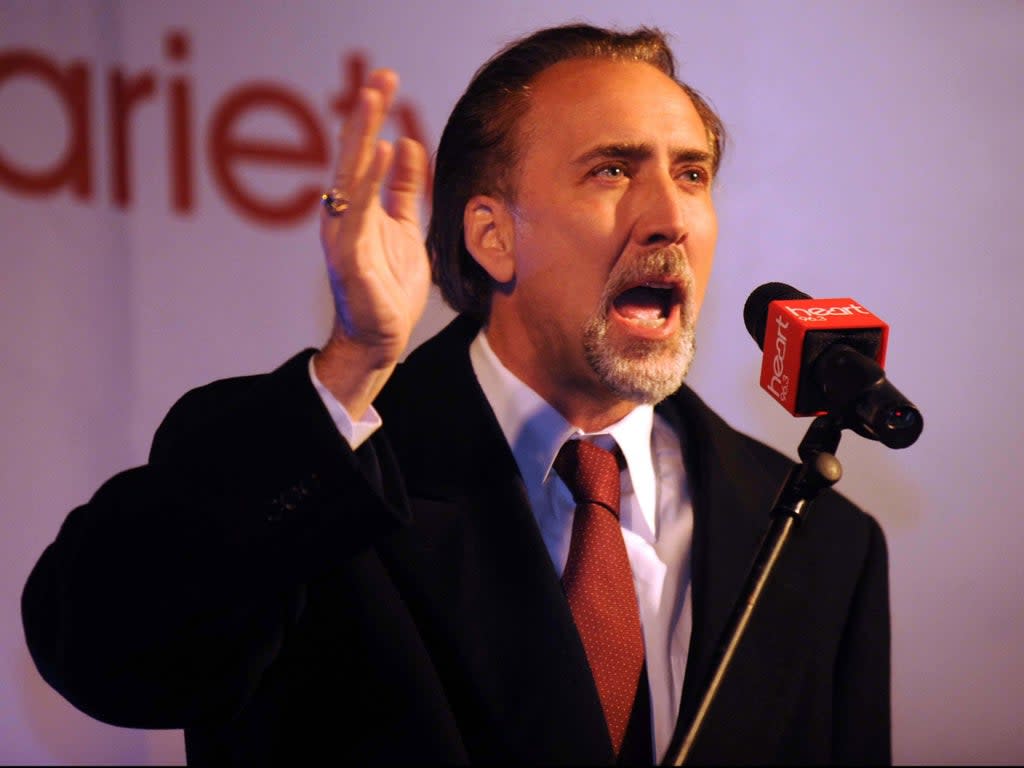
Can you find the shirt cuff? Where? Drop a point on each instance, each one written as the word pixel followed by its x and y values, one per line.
pixel 355 433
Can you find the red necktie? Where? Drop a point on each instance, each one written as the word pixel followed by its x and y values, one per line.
pixel 599 582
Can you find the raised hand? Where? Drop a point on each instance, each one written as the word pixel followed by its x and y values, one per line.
pixel 376 260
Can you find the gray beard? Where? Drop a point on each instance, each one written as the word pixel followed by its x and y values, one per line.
pixel 642 370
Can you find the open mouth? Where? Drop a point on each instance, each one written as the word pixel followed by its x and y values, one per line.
pixel 649 305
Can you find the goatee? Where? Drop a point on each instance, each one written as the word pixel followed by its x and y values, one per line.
pixel 643 370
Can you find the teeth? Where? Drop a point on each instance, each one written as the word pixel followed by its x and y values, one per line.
pixel 650 322
pixel 647 321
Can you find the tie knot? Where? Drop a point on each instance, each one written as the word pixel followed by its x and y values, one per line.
pixel 591 473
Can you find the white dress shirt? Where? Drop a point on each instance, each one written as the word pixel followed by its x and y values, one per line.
pixel 655 510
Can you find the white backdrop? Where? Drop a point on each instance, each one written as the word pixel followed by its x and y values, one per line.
pixel 876 153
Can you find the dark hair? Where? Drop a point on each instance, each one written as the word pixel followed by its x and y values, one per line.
pixel 478 148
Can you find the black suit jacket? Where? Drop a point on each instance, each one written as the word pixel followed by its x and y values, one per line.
pixel 281 597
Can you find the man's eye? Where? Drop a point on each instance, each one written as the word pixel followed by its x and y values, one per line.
pixel 696 176
pixel 611 171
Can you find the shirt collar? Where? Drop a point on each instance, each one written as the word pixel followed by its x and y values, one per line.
pixel 535 431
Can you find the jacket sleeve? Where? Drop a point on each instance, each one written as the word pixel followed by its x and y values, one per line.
pixel 163 599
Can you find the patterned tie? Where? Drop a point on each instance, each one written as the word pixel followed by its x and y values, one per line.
pixel 599 582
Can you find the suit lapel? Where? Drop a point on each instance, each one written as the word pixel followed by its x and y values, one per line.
pixel 475 569
pixel 728 525
pixel 476 573
pixel 733 497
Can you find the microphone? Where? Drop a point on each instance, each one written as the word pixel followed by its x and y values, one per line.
pixel 826 356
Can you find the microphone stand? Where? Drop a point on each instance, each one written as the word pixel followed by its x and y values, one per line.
pixel 819 469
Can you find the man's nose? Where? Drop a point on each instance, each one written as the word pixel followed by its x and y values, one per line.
pixel 661 212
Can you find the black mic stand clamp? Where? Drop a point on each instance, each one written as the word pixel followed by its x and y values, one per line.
pixel 819 469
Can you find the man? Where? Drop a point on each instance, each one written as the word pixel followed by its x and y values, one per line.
pixel 354 559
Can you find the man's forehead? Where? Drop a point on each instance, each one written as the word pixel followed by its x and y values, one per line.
pixel 609 101
pixel 576 83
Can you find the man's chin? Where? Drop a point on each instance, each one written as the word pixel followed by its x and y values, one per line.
pixel 642 371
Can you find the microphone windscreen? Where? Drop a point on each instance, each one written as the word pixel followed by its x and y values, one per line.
pixel 755 311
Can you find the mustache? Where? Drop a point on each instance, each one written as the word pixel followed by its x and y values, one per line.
pixel 668 264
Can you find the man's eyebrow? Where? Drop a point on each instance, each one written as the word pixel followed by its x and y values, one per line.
pixel 700 156
pixel 618 151
pixel 641 151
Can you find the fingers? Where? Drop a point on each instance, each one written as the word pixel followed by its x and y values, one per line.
pixel 359 136
pixel 365 160
pixel 407 179
pixel 369 188
pixel 355 168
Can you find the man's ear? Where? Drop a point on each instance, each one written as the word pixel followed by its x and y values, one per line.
pixel 489 232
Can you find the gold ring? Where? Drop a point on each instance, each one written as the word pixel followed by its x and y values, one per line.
pixel 334 201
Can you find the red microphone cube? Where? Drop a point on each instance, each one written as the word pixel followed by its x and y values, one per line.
pixel 798 330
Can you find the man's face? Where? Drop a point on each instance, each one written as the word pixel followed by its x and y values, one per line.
pixel 612 234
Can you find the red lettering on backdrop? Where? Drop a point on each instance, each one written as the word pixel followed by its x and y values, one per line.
pixel 124 95
pixel 353 75
pixel 227 150
pixel 72 89
pixel 176 47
